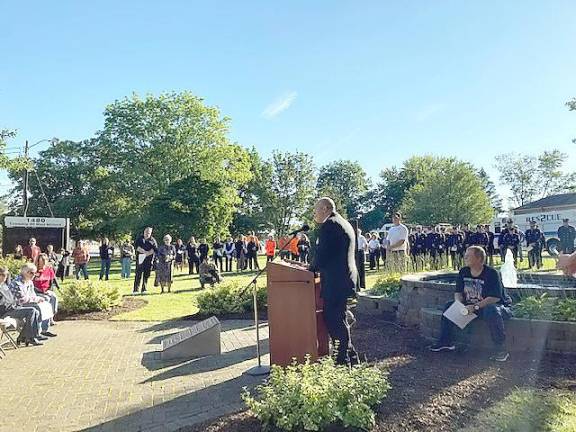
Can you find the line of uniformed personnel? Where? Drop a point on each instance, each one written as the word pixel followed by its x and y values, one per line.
pixel 443 246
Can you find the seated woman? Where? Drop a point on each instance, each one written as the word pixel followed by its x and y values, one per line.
pixel 29 316
pixel 209 274
pixel 43 281
pixel 22 288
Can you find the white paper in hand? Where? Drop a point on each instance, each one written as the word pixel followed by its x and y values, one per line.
pixel 45 310
pixel 455 313
pixel 141 258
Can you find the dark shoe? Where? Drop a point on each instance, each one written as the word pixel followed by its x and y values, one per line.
pixel 49 334
pixel 438 347
pixel 33 342
pixel 42 338
pixel 143 292
pixel 501 356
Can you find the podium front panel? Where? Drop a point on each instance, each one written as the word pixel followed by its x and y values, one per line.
pixel 292 314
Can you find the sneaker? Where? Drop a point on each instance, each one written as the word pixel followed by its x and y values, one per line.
pixel 48 334
pixel 438 347
pixel 501 356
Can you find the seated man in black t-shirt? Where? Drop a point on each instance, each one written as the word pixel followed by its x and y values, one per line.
pixel 480 288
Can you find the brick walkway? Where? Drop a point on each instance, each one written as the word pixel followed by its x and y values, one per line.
pixel 107 376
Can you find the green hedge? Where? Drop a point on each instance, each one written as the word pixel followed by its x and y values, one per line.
pixel 83 296
pixel 313 396
pixel 13 265
pixel 228 298
pixel 388 285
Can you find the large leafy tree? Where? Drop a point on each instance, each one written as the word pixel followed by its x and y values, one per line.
pixel 532 177
pixel 490 189
pixel 450 191
pixel 389 195
pixel 346 182
pixel 148 149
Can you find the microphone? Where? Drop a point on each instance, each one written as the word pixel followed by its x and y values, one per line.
pixel 303 228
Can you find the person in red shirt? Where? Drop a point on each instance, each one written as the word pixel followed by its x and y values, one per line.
pixel 31 251
pixel 270 248
pixel 293 247
pixel 43 280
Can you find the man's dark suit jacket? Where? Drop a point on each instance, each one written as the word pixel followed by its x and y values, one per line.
pixel 334 259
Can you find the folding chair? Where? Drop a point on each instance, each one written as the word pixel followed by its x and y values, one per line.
pixel 7 325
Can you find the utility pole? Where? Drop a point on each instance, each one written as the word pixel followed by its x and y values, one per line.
pixel 26 181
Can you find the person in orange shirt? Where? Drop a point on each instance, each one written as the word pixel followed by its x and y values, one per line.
pixel 270 248
pixel 293 248
pixel 283 248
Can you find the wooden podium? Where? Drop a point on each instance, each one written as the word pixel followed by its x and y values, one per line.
pixel 295 320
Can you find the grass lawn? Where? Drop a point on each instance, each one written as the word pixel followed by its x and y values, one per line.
pixel 529 410
pixel 182 300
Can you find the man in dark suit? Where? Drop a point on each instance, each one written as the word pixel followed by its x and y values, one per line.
pixel 334 260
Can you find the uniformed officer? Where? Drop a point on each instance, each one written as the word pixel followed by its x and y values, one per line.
pixel 566 234
pixel 455 245
pixel 467 235
pixel 480 238
pixel 490 248
pixel 418 248
pixel 508 239
pixel 432 248
pixel 534 238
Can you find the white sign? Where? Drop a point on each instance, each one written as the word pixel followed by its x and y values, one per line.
pixel 34 222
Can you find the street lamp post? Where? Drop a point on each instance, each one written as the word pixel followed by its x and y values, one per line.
pixel 26 171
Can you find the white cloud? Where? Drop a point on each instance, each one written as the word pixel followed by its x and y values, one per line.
pixel 279 105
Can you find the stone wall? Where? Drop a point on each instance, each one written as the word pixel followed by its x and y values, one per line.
pixel 435 289
pixel 521 334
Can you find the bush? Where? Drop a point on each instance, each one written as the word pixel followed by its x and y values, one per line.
pixel 565 310
pixel 547 308
pixel 228 298
pixel 312 396
pixel 12 264
pixel 88 296
pixel 388 285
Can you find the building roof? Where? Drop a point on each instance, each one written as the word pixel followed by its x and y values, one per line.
pixel 560 200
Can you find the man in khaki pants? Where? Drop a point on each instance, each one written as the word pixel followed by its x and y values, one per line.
pixel 397 245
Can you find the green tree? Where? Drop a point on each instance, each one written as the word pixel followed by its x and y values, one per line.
pixel 451 191
pixel 389 195
pixel 290 190
pixel 490 189
pixel 572 107
pixel 148 148
pixel 532 177
pixel 346 182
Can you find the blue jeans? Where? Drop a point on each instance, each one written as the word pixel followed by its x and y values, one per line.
pixel 493 314
pixel 105 268
pixel 126 265
pixel 81 268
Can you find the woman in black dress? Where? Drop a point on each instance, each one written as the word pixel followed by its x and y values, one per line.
pixel 192 254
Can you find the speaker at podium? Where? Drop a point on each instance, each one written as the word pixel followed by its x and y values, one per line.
pixel 295 321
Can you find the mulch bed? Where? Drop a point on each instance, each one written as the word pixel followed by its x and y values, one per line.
pixel 128 304
pixel 432 392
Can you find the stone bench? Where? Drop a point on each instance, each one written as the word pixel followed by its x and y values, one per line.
pixel 521 334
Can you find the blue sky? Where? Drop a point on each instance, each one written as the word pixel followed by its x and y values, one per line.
pixel 374 81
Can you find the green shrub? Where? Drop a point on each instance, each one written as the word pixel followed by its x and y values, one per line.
pixel 12 264
pixel 547 308
pixel 228 298
pixel 88 296
pixel 388 285
pixel 565 310
pixel 534 307
pixel 312 396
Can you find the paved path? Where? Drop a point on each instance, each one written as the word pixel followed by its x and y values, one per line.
pixel 107 376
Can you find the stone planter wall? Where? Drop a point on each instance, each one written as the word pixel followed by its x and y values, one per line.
pixel 435 289
pixel 376 305
pixel 521 334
